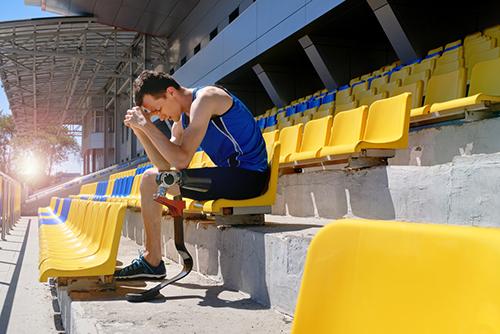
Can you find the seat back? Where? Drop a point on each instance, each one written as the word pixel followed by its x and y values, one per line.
pixel 445 87
pixel 485 78
pixel 348 126
pixel 364 276
pixel 388 121
pixel 416 89
pixel 480 57
pixel 316 134
pixel 270 138
pixel 111 235
pixel 290 138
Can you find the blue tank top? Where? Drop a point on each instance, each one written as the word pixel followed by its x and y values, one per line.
pixel 233 139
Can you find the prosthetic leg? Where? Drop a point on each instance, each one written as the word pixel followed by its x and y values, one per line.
pixel 176 207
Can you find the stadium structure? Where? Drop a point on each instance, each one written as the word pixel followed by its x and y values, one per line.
pixel 381 123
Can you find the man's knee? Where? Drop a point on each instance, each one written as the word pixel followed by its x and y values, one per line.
pixel 148 182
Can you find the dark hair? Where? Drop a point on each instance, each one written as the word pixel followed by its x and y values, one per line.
pixel 153 83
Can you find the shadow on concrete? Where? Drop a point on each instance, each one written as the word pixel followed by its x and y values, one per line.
pixel 369 194
pixel 9 298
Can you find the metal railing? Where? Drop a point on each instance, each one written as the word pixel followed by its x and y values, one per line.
pixel 10 203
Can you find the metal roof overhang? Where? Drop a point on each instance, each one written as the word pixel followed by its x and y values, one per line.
pixel 50 67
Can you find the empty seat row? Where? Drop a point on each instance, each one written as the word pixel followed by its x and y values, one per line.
pixel 348 133
pixel 81 239
pixel 453 63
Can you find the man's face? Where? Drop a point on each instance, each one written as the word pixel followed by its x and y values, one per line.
pixel 166 106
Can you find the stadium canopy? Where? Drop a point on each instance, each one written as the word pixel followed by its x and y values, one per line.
pixel 153 17
pixel 53 68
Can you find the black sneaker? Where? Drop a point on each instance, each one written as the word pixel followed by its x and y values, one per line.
pixel 140 268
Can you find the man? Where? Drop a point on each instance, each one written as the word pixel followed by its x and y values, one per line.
pixel 209 117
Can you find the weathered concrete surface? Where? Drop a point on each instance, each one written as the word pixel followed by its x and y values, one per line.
pixel 196 304
pixel 264 261
pixel 463 191
pixel 26 305
pixel 439 145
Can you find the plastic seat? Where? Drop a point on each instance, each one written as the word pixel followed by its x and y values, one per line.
pixel 422 76
pixel 369 99
pixel 316 135
pixel 347 131
pixel 480 57
pixel 290 139
pixel 484 88
pixel 260 203
pixel 343 95
pixel 270 138
pixel 102 262
pixel 345 106
pixel 196 161
pixel 401 74
pixel 367 276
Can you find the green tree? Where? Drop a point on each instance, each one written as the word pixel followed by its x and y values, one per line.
pixel 7 131
pixel 52 145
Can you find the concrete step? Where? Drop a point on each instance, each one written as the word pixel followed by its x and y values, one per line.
pixel 266 262
pixel 196 304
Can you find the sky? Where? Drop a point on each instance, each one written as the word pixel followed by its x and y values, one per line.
pixel 17 10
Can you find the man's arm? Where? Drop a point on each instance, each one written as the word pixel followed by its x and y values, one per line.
pixel 151 151
pixel 180 156
pixel 177 132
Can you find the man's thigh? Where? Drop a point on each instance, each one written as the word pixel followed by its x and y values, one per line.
pixel 227 182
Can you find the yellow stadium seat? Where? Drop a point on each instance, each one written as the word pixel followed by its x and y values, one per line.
pixel 310 111
pixel 491 30
pixel 361 94
pixel 361 87
pixel 377 72
pixel 389 87
pixel 367 100
pixel 264 201
pixel 270 138
pixel 347 131
pixel 401 74
pixel 453 44
pixel 284 123
pixel 354 80
pixel 135 193
pixel 445 87
pixel 345 106
pixel 316 135
pixel 484 88
pixel 423 66
pixel 207 162
pixel 443 68
pixel 482 56
pixel 293 118
pixel 326 106
pixel 436 50
pixel 472 37
pixel 323 113
pixel 304 119
pixel 379 82
pixel 99 264
pixel 416 89
pixel 197 160
pixel 478 47
pixel 270 128
pixel 385 277
pixel 381 134
pixel 290 139
pixel 343 96
pixel 450 56
pixel 420 76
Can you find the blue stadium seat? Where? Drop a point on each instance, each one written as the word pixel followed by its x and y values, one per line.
pixel 62 218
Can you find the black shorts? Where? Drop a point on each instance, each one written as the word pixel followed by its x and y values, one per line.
pixel 228 182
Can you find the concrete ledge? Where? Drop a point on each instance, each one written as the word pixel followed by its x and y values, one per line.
pixel 264 261
pixel 196 304
pixel 463 191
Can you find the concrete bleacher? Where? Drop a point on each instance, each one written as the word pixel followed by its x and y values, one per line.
pixel 436 167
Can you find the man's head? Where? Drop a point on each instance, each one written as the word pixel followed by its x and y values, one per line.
pixel 158 92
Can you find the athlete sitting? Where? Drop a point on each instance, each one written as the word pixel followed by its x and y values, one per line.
pixel 209 117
